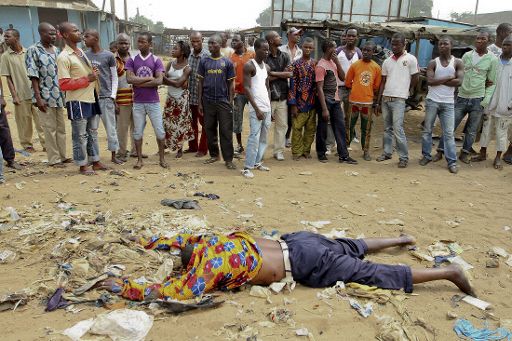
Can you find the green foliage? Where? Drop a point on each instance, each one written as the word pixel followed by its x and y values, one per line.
pixel 265 18
pixel 421 8
pixel 463 17
pixel 157 27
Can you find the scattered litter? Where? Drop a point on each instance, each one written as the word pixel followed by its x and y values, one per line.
pixel 245 216
pixel 451 315
pixel 348 173
pixel 391 330
pixel 277 287
pixel 261 292
pixel 380 210
pixel 97 190
pixel 14 215
pixel 415 182
pixel 87 286
pixel 302 332
pixel 164 271
pixel 266 324
pixel 363 311
pixel 392 222
pixel 421 256
pixel 280 315
pixel 181 204
pixel 458 260
pixel 335 234
pixel 119 325
pixel 509 261
pixel 306 173
pixel 454 223
pixel 506 228
pixel 177 307
pixel 499 251
pixel 20 185
pixel 12 301
pixel 56 301
pixel 316 224
pixel 476 302
pixel 380 296
pixel 455 248
pixel 271 234
pixel 492 263
pixel 7 256
pixel 465 330
pixel 210 196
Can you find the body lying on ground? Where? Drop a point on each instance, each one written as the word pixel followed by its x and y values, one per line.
pixel 222 262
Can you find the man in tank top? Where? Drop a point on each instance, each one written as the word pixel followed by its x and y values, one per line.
pixel 257 90
pixel 444 74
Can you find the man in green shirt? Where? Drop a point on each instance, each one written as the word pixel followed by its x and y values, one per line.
pixel 475 93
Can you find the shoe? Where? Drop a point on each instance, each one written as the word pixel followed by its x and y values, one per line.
pixel 348 160
pixel 402 164
pixel 453 169
pixel 328 151
pixel 14 165
pixel 355 140
pixel 323 158
pixel 383 157
pixel 246 173
pixel 479 158
pixel 288 143
pixel 437 157
pixel 279 156
pixel 211 160
pixel 260 167
pixel 239 149
pixel 367 157
pixel 464 157
pixel 424 161
pixel 230 165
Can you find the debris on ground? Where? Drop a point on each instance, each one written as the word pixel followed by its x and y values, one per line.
pixel 261 292
pixel 315 224
pixel 392 222
pixel 281 315
pixel 181 204
pixel 477 302
pixel 364 311
pixel 391 330
pixel 210 196
pixel 465 330
pixel 178 307
pixel 12 301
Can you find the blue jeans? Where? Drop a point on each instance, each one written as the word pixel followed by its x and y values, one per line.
pixel 154 112
pixel 257 140
pixel 108 116
pixel 472 107
pixel 446 114
pixel 393 115
pixel 337 120
pixel 84 133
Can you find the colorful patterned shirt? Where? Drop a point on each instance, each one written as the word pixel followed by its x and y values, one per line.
pixel 217 262
pixel 193 62
pixel 43 65
pixel 302 85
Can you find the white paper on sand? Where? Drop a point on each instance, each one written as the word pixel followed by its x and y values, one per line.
pixel 458 260
pixel 476 302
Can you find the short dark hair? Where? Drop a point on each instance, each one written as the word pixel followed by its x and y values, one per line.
pixel 242 36
pixel 113 43
pixel 308 40
pixel 148 35
pixel 445 37
pixel 327 43
pixel 503 27
pixel 370 43
pixel 486 33
pixel 184 47
pixel 399 36
pixel 14 31
pixel 259 42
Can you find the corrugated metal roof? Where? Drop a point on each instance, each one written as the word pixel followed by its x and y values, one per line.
pixel 78 5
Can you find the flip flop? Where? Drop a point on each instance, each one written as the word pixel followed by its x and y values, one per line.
pixel 211 160
pixel 88 172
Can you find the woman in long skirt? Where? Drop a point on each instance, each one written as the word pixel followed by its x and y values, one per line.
pixel 177 114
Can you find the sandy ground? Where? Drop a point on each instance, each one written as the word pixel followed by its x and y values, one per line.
pixel 354 198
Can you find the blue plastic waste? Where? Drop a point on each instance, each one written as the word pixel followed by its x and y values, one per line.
pixel 464 329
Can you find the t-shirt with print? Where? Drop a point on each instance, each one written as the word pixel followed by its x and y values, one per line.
pixel 364 79
pixel 104 61
pixel 327 71
pixel 398 72
pixel 145 67
pixel 216 72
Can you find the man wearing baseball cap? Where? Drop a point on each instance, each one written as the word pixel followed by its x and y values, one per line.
pixel 292 48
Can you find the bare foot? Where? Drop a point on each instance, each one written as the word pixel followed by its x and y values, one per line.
pixel 117 161
pixel 86 171
pixel 407 240
pixel 497 164
pixel 99 166
pixel 138 165
pixel 459 278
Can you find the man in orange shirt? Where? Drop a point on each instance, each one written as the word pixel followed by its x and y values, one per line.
pixel 239 58
pixel 363 77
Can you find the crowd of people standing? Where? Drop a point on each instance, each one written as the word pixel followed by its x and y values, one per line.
pixel 305 99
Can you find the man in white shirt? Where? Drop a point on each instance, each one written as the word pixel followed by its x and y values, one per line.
pixel 292 48
pixel 400 74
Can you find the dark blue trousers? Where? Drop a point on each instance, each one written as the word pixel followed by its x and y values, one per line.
pixel 337 119
pixel 318 262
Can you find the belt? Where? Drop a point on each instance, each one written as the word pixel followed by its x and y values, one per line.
pixel 392 99
pixel 286 257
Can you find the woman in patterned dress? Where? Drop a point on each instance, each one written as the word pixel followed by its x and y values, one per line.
pixel 177 115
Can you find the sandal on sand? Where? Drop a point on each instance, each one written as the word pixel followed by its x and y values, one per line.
pixel 88 172
pixel 230 165
pixel 211 160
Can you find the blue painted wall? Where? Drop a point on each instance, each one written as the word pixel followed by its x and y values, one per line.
pixel 27 24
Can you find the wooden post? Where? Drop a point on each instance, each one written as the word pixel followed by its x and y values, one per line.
pixel 476 12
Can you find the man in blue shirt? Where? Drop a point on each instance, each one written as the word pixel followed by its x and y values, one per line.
pixel 216 76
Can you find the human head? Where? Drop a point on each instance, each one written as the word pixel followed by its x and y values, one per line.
pixel 328 48
pixel 444 45
pixel 398 43
pixel 506 47
pixel 294 35
pixel 343 38
pixel 113 46
pixel 1 30
pixel 308 46
pixel 482 41
pixel 12 37
pixel 47 33
pixel 91 38
pixel 261 49
pixel 224 39
pixel 123 43
pixel 214 44
pixel 144 42
pixel 502 31
pixel 368 50
pixel 238 42
pixel 351 37
pixel 273 39
pixel 181 49
pixel 196 40
pixel 186 255
pixel 250 41
pixel 70 33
